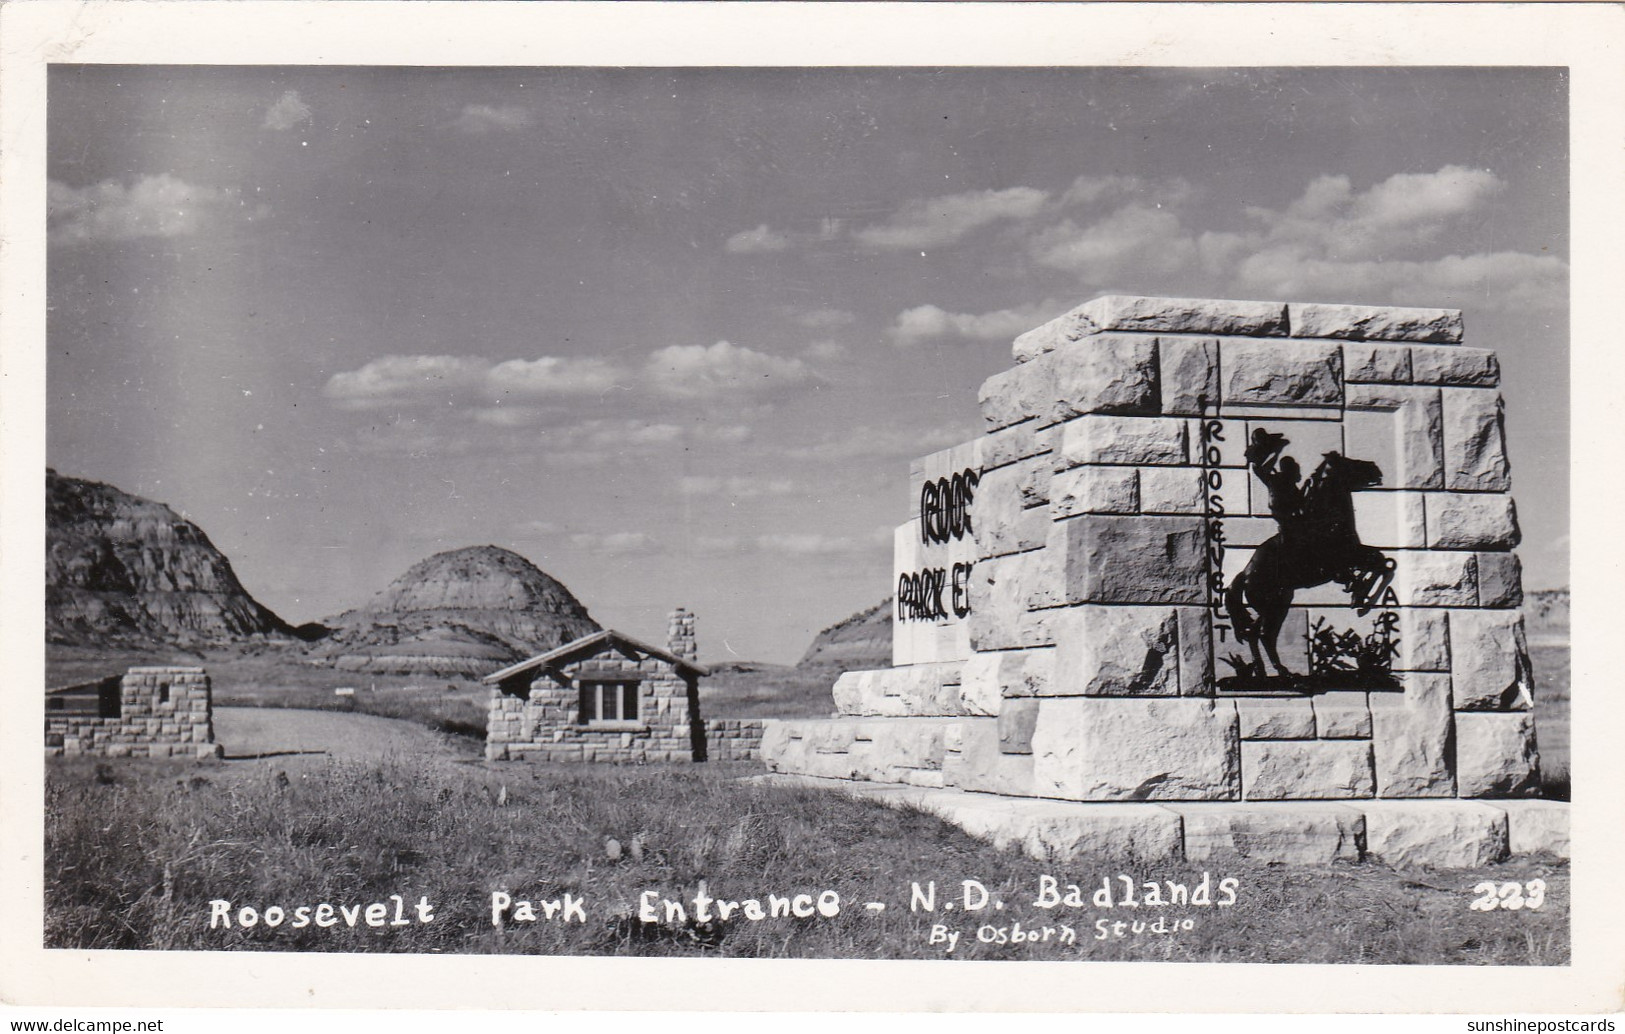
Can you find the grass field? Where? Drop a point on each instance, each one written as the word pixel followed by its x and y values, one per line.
pixel 137 850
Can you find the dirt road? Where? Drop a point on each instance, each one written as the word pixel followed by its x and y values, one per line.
pixel 248 732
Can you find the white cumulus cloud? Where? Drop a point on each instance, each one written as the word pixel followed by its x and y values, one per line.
pixel 479 119
pixel 397 379
pixel 555 375
pixel 938 221
pixel 288 111
pixel 723 369
pixel 151 206
pixel 932 323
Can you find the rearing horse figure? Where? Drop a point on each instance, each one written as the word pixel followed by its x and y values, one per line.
pixel 1317 543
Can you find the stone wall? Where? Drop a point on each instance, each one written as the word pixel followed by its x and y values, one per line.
pixel 733 739
pixel 1095 658
pixel 163 712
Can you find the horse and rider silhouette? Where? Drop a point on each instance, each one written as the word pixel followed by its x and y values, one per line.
pixel 1317 543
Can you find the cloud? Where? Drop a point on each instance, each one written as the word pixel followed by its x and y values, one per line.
pixel 555 375
pixel 397 379
pixel 480 119
pixel 1090 190
pixel 1332 242
pixel 1401 212
pixel 723 370
pixel 929 322
pixel 287 112
pixel 1503 279
pixel 938 221
pixel 152 206
pixel 763 239
pixel 1132 239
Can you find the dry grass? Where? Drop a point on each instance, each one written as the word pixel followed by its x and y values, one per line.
pixel 136 850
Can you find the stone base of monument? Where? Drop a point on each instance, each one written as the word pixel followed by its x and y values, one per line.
pixel 1438 834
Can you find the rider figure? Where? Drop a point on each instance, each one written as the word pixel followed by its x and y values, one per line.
pixel 1281 476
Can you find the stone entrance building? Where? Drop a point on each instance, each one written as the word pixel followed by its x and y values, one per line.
pixel 1078 594
pixel 609 697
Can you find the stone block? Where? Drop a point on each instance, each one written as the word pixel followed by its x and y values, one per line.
pixel 1062 833
pixel 1375 323
pixel 1274 770
pixel 1399 428
pixel 1436 579
pixel 1376 364
pixel 917 689
pixel 1116 651
pixel 1195 652
pixel 1189 370
pixel 1299 373
pixel 1413 737
pixel 1121 749
pixel 1471 520
pixel 1269 718
pixel 1134 559
pixel 1495 754
pixel 1013 395
pixel 1095 490
pixel 1537 828
pixel 1475 458
pixel 1490 661
pixel 1146 441
pixel 1003 524
pixel 1424 640
pixel 988 678
pixel 1170 490
pixel 1342 715
pixel 1299 833
pixel 1108 373
pixel 1392 520
pixel 1170 315
pixel 1016 719
pixel 1007 446
pixel 1455 366
pixel 1435 834
pixel 980 765
pixel 999 618
pixel 1500 579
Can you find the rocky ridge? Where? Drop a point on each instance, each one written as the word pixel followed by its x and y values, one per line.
pixel 121 570
pixel 861 642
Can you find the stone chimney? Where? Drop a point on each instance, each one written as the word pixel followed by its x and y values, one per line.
pixel 680 636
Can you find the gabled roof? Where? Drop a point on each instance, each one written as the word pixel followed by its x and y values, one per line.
pixel 609 637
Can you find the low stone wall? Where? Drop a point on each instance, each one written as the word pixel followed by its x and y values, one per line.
pixel 733 739
pixel 163 712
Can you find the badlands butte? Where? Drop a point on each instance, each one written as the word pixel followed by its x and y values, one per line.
pixel 131 582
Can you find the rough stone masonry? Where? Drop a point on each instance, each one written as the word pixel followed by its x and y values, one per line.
pixel 1061 630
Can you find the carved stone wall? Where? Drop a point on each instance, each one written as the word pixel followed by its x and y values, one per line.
pixel 1063 627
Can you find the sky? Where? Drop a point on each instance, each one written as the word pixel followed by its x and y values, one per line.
pixel 674 335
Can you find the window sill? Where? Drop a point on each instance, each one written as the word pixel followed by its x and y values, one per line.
pixel 612 726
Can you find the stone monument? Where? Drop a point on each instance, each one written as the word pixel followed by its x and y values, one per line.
pixel 1215 551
